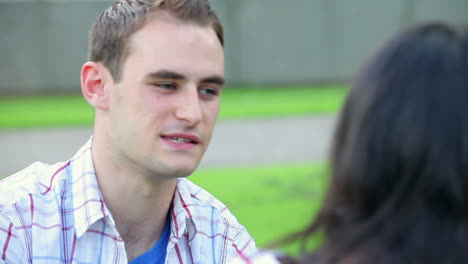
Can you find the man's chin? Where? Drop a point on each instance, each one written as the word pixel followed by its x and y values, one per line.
pixel 181 171
pixel 187 172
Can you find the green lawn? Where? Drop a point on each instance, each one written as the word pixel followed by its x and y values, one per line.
pixel 269 201
pixel 237 102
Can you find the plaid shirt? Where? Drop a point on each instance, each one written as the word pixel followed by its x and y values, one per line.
pixel 56 214
pixel 261 257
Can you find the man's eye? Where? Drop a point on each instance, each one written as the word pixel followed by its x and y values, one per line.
pixel 209 91
pixel 166 86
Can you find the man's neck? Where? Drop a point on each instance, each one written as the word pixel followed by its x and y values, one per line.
pixel 139 205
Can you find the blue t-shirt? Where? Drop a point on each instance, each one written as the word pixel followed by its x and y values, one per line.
pixel 157 254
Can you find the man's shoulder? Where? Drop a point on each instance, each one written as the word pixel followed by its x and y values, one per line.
pixel 261 257
pixel 211 217
pixel 34 180
pixel 205 201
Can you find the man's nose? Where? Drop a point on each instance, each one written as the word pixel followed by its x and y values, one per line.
pixel 189 107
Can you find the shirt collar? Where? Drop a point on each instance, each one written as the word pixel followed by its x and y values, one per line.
pixel 88 203
pixel 89 206
pixel 184 211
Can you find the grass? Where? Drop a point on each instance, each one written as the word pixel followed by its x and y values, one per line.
pixel 271 201
pixel 237 102
pixel 281 101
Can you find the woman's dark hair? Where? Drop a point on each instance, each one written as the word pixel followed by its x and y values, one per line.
pixel 399 168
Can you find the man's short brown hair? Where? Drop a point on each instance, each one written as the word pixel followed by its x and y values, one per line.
pixel 109 35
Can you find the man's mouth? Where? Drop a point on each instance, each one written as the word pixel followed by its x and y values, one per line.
pixel 181 138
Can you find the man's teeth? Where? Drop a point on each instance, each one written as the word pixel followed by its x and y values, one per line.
pixel 179 140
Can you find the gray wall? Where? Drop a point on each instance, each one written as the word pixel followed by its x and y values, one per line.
pixel 44 42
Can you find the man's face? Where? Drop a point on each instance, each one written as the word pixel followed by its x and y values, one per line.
pixel 163 110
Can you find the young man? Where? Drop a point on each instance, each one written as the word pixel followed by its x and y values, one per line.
pixel 155 75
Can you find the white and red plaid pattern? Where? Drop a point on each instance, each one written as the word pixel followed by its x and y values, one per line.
pixel 262 257
pixel 56 214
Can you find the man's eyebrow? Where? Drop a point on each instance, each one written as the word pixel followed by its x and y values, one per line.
pixel 165 74
pixel 215 79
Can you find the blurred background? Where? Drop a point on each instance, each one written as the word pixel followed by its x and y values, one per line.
pixel 273 42
pixel 288 65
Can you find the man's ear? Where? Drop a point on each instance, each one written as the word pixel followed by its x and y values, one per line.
pixel 94 84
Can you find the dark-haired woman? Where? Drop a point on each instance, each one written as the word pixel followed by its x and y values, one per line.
pixel 399 167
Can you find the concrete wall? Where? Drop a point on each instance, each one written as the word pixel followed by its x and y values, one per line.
pixel 43 42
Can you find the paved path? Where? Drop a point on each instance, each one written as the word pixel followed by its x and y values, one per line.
pixel 235 143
